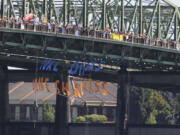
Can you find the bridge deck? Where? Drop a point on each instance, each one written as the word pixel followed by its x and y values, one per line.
pixel 22 45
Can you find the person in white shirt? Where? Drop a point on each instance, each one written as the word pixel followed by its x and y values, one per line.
pixel 49 27
pixel 22 25
pixel 76 32
pixel 36 23
pixel 178 46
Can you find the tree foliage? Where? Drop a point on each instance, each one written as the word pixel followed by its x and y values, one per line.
pixel 148 106
pixel 93 118
pixel 49 112
pixel 151 119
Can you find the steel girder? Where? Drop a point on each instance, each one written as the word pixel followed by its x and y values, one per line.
pixel 135 78
pixel 22 46
pixel 156 18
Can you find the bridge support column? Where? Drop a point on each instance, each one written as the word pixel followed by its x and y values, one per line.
pixel 3 99
pixel 61 120
pixel 121 109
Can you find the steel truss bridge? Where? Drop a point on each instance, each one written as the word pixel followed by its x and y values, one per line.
pixel 159 19
pixel 156 18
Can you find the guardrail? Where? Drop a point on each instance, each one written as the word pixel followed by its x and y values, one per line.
pixel 107 35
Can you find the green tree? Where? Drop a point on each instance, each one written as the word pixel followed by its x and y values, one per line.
pixel 49 112
pixel 148 106
pixel 151 119
pixel 177 106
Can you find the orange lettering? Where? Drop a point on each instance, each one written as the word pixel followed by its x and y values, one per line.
pixel 85 86
pixel 90 86
pixel 104 88
pixel 56 86
pixel 65 89
pixel 40 83
pixel 46 80
pixel 76 90
pixel 97 86
pixel 82 92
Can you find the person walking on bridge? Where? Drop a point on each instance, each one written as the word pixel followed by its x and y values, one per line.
pixel 49 27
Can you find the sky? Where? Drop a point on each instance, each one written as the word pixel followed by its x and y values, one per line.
pixel 177 2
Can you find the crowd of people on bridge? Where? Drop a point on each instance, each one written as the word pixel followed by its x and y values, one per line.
pixel 34 23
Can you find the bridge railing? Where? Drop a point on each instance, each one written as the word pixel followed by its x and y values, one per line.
pixel 91 33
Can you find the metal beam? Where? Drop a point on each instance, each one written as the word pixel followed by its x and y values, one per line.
pixel 55 12
pixel 133 18
pixel 65 8
pixel 159 20
pixel 85 13
pixel 176 27
pixel 170 24
pixel 140 17
pixel 170 3
pixel 122 16
pixel 103 25
pixel 2 8
pixel 45 7
pixel 44 43
pixel 24 8
pixel 23 38
pixel 12 8
pixel 33 7
pixel 50 10
pixel 152 18
pixel 140 78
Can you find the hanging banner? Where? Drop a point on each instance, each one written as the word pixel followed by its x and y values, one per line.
pixel 29 17
pixel 80 89
pixel 117 37
pixel 44 19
